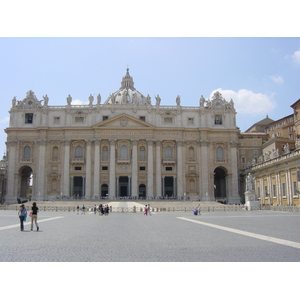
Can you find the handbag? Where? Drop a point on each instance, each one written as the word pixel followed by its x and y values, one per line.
pixel 30 214
pixel 25 216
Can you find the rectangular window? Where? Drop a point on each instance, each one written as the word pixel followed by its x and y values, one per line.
pixel 142 168
pixel 295 188
pixel 218 120
pixel 104 168
pixel 169 168
pixel 29 118
pixel 168 120
pixel 283 189
pixel 56 120
pixel 104 118
pixel 143 118
pixel 190 121
pixel 77 168
pixel 274 190
pixel 79 119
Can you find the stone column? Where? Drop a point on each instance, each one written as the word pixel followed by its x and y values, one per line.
pixel 158 169
pixel 40 190
pixel 11 194
pixel 150 169
pixel 66 169
pixel 112 170
pixel 234 185
pixel 180 179
pixel 88 174
pixel 134 168
pixel 97 169
pixel 204 175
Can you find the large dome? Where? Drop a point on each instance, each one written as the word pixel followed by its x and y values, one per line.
pixel 127 94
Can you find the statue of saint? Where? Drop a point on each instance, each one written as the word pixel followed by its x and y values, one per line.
pixel 157 100
pixel 202 101
pixel 99 99
pixel 91 99
pixel 249 183
pixel 14 101
pixel 69 100
pixel 148 99
pixel 178 100
pixel 46 99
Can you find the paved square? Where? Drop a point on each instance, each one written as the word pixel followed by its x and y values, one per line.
pixel 238 236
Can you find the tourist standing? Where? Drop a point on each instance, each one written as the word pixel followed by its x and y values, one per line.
pixel 149 210
pixel 95 209
pixel 83 209
pixel 77 209
pixel 34 212
pixel 146 210
pixel 22 215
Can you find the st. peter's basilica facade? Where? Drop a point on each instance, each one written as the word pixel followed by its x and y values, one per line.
pixel 129 146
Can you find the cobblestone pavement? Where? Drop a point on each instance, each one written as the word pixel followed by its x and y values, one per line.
pixel 162 237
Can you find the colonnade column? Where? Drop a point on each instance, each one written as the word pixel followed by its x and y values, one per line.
pixel 88 175
pixel 158 169
pixel 234 187
pixel 204 185
pixel 96 168
pixel 150 169
pixel 11 187
pixel 180 180
pixel 134 171
pixel 40 186
pixel 112 170
pixel 66 171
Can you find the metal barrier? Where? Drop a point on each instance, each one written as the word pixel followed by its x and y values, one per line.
pixel 135 209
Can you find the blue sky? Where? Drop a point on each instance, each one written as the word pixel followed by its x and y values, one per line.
pixel 260 74
pixel 60 48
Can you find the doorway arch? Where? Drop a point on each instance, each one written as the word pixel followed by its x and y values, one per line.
pixel 26 183
pixel 220 190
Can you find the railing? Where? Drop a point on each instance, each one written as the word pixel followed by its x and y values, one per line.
pixel 154 209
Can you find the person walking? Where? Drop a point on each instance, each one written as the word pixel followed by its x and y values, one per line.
pixel 22 215
pixel 149 210
pixel 95 209
pixel 34 212
pixel 146 210
pixel 83 209
pixel 77 209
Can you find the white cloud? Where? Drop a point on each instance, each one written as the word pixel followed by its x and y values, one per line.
pixel 248 102
pixel 296 57
pixel 79 102
pixel 277 79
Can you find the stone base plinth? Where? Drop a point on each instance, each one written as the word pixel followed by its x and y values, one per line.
pixel 252 205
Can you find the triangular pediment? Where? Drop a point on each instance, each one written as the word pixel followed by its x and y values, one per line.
pixel 123 121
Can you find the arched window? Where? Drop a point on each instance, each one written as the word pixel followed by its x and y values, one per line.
pixel 168 152
pixel 142 153
pixel 55 153
pixel 219 153
pixel 26 152
pixel 78 152
pixel 124 152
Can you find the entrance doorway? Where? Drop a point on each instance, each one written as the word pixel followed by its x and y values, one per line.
pixel 104 191
pixel 78 186
pixel 142 191
pixel 169 186
pixel 220 183
pixel 123 186
pixel 26 183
